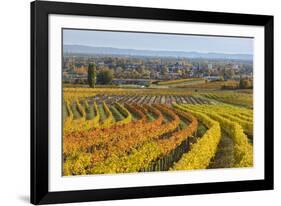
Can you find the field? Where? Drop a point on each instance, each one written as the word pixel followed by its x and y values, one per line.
pixel 180 81
pixel 122 130
pixel 212 85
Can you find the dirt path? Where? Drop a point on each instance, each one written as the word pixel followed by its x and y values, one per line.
pixel 225 154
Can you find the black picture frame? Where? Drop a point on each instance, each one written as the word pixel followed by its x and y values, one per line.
pixel 39 102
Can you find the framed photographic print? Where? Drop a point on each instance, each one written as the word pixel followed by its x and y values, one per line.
pixel 131 102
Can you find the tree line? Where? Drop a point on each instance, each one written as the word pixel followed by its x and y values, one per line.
pixel 104 76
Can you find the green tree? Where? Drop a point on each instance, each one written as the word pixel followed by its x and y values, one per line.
pixel 92 75
pixel 105 76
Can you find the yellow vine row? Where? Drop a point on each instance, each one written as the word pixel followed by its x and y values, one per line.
pixel 204 149
pixel 243 150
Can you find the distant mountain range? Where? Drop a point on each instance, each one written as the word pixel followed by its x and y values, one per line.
pixel 80 49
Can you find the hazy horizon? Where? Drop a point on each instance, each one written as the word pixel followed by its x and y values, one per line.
pixel 153 49
pixel 158 42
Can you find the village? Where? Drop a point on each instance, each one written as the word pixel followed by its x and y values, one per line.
pixel 144 70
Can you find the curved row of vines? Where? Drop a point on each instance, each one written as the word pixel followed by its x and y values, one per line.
pixel 101 138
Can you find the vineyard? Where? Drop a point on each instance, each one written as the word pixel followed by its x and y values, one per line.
pixel 118 131
pixel 121 131
pixel 169 82
pixel 142 102
pixel 212 85
pixel 150 99
pixel 239 99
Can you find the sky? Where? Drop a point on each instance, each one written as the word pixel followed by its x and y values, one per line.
pixel 152 41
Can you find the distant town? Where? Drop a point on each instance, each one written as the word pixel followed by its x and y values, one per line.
pixel 143 70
